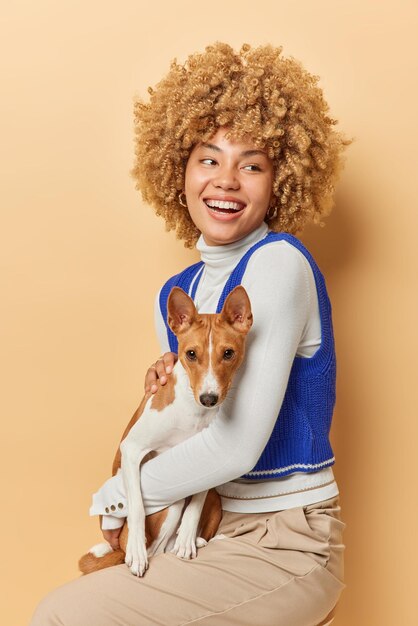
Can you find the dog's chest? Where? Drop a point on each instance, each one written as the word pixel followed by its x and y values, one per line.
pixel 162 429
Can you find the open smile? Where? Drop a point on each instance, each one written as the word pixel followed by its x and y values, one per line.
pixel 227 207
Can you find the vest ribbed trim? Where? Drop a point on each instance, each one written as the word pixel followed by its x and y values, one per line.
pixel 300 438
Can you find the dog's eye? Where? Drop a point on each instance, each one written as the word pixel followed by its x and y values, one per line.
pixel 191 355
pixel 229 354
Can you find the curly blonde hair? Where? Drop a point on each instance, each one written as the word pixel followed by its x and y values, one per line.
pixel 257 94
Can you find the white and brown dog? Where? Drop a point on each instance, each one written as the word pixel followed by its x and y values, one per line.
pixel 210 349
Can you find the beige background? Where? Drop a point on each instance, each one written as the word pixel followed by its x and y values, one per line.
pixel 82 258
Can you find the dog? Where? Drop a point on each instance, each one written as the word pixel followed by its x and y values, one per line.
pixel 211 348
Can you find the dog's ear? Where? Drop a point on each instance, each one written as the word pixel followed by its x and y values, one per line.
pixel 181 311
pixel 237 310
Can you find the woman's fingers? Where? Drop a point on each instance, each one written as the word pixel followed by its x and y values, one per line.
pixel 159 371
pixel 166 363
pixel 151 379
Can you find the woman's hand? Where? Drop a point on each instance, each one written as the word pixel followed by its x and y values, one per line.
pixel 159 371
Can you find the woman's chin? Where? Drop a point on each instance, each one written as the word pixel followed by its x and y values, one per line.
pixel 221 236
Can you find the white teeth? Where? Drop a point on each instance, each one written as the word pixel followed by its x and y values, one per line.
pixel 220 204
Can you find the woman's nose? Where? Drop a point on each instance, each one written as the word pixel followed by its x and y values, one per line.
pixel 226 179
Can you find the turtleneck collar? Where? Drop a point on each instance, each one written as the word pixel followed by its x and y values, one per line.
pixel 215 255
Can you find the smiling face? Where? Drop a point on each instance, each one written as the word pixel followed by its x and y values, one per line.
pixel 228 187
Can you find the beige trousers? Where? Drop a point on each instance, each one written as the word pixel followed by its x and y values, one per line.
pixel 283 568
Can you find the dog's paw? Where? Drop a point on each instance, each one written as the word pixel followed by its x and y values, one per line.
pixel 200 542
pixel 186 550
pixel 185 547
pixel 136 556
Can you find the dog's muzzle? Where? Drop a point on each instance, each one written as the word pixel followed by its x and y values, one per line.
pixel 208 399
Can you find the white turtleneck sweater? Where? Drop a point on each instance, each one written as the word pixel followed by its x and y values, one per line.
pixel 282 291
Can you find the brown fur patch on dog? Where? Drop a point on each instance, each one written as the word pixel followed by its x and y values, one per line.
pixel 165 394
pixel 211 515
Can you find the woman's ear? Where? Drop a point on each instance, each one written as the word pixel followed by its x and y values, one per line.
pixel 182 199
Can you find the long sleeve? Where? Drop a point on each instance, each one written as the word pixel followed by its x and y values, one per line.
pixel 280 285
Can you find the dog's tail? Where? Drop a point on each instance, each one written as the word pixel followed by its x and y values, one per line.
pixel 100 556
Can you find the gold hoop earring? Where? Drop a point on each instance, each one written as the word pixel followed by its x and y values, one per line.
pixel 182 202
pixel 271 216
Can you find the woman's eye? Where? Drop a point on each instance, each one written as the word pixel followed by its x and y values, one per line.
pixel 253 167
pixel 191 355
pixel 208 161
pixel 229 354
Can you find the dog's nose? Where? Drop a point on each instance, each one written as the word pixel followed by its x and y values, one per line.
pixel 208 399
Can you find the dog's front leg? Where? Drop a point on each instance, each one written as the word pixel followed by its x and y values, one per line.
pixel 185 546
pixel 136 552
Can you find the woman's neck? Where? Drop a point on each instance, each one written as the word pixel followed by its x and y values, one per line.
pixel 216 255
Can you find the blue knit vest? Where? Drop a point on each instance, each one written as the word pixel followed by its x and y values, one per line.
pixel 300 438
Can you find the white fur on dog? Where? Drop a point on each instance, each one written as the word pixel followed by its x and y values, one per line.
pixel 100 549
pixel 210 383
pixel 158 431
pixel 166 536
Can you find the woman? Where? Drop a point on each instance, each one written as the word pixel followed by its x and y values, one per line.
pixel 236 152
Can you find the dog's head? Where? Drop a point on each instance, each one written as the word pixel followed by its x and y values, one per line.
pixel 211 346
